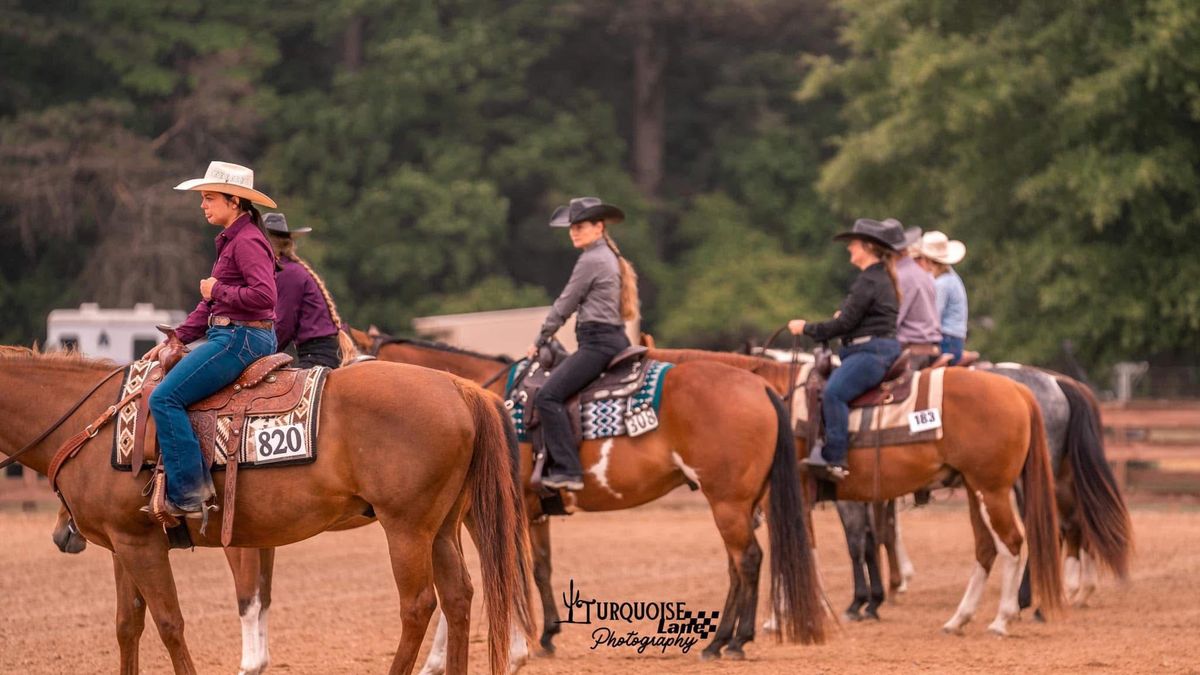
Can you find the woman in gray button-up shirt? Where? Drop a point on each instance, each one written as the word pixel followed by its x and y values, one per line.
pixel 603 290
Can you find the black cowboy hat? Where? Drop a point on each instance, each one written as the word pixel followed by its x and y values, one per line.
pixel 889 234
pixel 912 235
pixel 276 224
pixel 586 208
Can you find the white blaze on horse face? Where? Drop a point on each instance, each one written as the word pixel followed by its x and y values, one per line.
pixel 254 638
pixel 600 468
pixel 688 471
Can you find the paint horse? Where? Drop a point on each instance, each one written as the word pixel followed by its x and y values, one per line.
pixel 704 431
pixel 411 446
pixel 993 437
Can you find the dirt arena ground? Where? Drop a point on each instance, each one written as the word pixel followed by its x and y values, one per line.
pixel 335 608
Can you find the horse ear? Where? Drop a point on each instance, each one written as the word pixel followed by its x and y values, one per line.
pixel 646 340
pixel 373 331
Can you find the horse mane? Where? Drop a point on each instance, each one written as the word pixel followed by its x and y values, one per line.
pixel 72 359
pixel 443 347
pixel 743 361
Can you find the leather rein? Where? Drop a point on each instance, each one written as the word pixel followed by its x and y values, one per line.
pixel 76 442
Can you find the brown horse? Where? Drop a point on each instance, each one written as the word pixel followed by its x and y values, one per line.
pixel 412 446
pixel 992 435
pixel 706 432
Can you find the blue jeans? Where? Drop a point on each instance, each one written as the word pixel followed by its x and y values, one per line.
pixel 863 367
pixel 201 373
pixel 953 345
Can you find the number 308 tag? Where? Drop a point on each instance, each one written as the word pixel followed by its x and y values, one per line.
pixel 924 420
pixel 274 444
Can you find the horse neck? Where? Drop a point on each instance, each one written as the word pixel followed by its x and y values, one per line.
pixel 778 375
pixel 34 395
pixel 472 367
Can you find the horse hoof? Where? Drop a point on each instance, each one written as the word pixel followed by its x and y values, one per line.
pixel 547 646
pixel 952 630
pixel 1038 616
pixel 853 617
pixel 998 631
pixel 735 654
pixel 710 655
pixel 873 615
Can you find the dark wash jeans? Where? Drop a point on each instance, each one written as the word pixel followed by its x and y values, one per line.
pixel 201 373
pixel 863 367
pixel 953 345
pixel 598 344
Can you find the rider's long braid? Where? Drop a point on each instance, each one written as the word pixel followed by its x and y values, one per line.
pixel 345 342
pixel 630 306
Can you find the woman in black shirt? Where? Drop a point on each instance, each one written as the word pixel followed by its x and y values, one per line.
pixel 866 323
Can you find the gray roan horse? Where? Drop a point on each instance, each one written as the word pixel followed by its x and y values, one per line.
pixel 1093 518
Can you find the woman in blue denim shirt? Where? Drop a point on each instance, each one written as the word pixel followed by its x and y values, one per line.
pixel 866 323
pixel 235 317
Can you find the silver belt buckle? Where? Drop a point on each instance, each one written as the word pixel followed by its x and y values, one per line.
pixel 861 340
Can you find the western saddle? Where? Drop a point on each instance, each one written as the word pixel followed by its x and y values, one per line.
pixel 896 386
pixel 265 387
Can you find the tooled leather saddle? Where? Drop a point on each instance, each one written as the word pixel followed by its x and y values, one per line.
pixel 265 387
pixel 623 377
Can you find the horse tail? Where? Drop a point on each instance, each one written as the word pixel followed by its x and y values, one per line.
pixel 1107 531
pixel 795 590
pixel 1041 514
pixel 501 527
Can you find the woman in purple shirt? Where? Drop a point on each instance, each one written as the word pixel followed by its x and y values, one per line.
pixel 235 317
pixel 305 312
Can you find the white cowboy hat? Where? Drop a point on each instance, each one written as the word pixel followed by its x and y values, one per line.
pixel 941 249
pixel 230 179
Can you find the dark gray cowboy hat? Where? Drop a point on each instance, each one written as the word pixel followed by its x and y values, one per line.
pixel 912 235
pixel 586 208
pixel 276 224
pixel 887 234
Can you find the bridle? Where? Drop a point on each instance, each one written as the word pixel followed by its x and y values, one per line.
pixel 90 431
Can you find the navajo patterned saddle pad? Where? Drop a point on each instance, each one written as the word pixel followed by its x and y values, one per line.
pixel 274 439
pixel 916 419
pixel 603 414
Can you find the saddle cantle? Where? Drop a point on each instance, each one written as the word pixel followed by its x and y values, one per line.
pixel 896 384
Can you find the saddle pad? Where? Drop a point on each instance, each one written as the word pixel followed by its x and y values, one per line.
pixel 889 422
pixel 609 417
pixel 266 440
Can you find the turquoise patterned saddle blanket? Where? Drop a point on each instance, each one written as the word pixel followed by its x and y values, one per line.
pixel 624 401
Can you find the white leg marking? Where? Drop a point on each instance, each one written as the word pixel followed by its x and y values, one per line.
pixel 600 468
pixel 435 663
pixel 970 600
pixel 1011 568
pixel 687 470
pixel 253 647
pixel 262 637
pixel 1087 578
pixel 907 571
pixel 1071 575
pixel 518 649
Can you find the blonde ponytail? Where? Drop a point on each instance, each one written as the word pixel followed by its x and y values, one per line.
pixel 631 309
pixel 345 342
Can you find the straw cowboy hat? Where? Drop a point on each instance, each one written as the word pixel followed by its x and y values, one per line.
pixel 230 179
pixel 586 208
pixel 277 225
pixel 888 234
pixel 941 249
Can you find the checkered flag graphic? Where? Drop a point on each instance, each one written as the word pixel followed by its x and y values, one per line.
pixel 702 621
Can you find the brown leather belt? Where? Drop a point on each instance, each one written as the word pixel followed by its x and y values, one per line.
pixel 224 321
pixel 922 348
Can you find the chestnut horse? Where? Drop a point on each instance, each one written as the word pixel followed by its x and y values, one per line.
pixel 411 446
pixel 706 431
pixel 992 436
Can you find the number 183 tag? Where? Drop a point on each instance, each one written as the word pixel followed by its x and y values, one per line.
pixel 274 444
pixel 924 420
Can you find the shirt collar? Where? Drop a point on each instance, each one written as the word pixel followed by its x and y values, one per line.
pixel 237 226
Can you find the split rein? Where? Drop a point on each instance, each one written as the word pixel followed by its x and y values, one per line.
pixel 73 444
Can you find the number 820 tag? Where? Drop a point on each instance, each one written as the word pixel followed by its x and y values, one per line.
pixel 274 444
